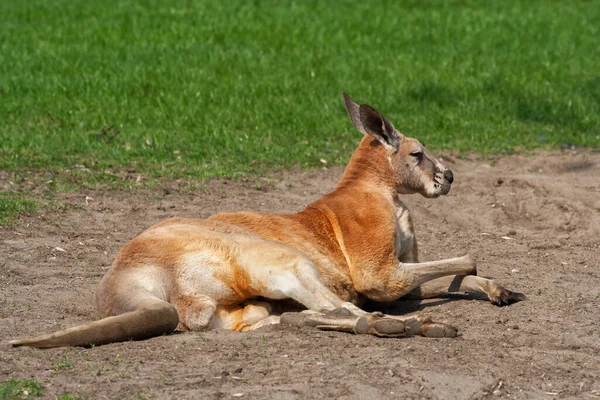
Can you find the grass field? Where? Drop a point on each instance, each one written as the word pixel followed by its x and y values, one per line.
pixel 13 204
pixel 20 389
pixel 207 88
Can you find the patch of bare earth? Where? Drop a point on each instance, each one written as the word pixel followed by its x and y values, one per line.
pixel 532 223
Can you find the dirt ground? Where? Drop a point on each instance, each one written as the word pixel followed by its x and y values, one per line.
pixel 532 223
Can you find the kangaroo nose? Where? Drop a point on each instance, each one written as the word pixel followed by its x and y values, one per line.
pixel 448 176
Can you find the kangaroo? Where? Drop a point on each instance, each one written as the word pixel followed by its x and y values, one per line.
pixel 232 270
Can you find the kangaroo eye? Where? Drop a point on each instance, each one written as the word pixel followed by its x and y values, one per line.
pixel 417 154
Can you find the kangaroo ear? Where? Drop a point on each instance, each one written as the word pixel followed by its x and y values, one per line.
pixel 354 114
pixel 370 122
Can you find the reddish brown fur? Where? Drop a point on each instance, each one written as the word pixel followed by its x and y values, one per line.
pixel 357 238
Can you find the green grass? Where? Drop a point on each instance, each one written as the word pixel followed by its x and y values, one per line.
pixel 20 389
pixel 64 363
pixel 211 88
pixel 13 204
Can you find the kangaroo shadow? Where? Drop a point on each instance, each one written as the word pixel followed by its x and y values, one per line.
pixel 407 306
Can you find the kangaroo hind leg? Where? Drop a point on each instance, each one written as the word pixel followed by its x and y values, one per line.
pixel 283 273
pixel 376 324
pixel 495 292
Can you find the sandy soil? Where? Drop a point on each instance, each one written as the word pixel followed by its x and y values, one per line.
pixel 533 223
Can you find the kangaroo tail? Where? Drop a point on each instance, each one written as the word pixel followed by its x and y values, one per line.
pixel 152 318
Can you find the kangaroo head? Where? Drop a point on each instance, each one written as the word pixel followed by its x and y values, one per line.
pixel 415 169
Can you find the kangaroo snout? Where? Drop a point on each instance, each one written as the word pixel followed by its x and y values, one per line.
pixel 448 176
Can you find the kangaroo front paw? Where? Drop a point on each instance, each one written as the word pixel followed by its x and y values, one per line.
pixel 502 297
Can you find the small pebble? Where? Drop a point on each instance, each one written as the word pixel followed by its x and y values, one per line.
pixel 512 232
pixel 515 271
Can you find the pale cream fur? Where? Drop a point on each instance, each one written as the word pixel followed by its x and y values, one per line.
pixel 228 271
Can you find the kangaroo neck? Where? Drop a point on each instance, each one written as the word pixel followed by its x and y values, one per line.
pixel 369 169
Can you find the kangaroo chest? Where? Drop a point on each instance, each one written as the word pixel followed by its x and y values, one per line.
pixel 405 235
